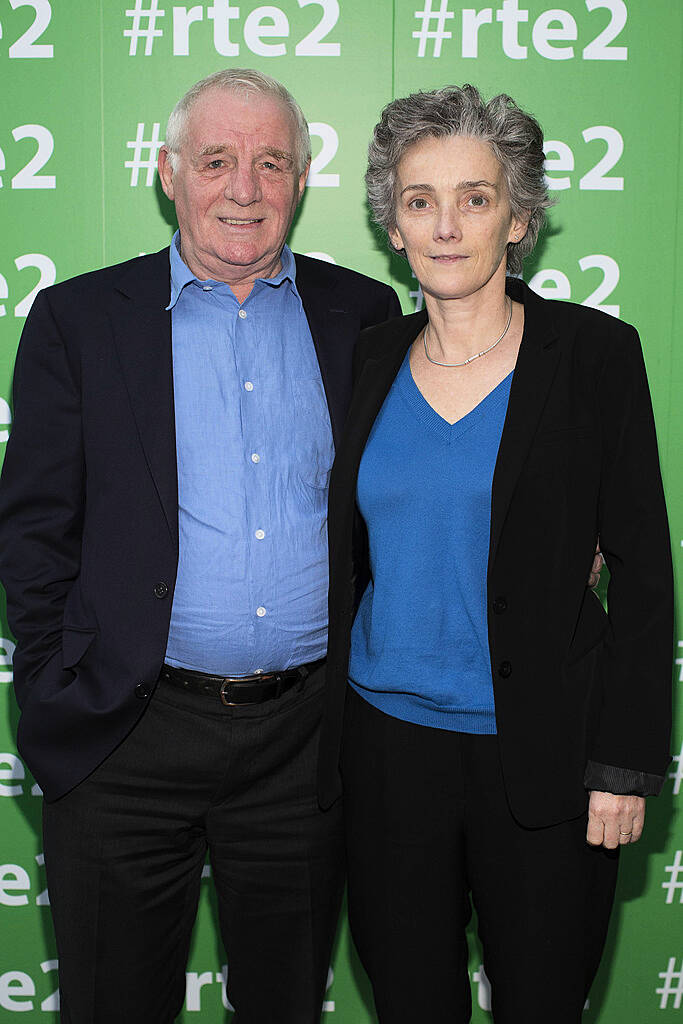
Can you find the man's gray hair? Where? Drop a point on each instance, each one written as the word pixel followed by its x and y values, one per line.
pixel 242 81
pixel 514 136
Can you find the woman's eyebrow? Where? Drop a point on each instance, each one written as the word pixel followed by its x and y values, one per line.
pixel 461 185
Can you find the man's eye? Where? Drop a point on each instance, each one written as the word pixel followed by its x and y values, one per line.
pixel 419 204
pixel 270 166
pixel 215 164
pixel 477 200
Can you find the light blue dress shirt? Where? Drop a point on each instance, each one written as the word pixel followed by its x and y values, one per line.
pixel 254 451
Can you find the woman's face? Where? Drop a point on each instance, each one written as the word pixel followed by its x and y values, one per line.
pixel 453 216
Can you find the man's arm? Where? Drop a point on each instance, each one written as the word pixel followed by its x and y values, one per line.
pixel 41 499
pixel 393 305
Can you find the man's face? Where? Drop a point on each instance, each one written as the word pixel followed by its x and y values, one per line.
pixel 235 187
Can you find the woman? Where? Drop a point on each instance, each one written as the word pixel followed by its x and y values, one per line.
pixel 500 732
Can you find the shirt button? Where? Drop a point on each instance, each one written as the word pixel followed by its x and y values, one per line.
pixel 242 314
pixel 161 590
pixel 505 669
pixel 255 457
pixel 142 691
pixel 499 605
pixel 248 386
pixel 207 288
pixel 259 534
pixel 260 611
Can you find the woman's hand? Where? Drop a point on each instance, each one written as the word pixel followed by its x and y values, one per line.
pixel 614 820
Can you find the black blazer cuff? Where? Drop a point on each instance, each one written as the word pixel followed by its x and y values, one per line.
pixel 621 781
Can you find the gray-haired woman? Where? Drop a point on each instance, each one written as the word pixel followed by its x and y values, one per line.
pixel 500 731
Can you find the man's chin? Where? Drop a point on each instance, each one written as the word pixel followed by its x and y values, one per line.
pixel 237 265
pixel 253 262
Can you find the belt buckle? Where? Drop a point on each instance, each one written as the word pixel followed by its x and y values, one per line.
pixel 229 680
pixel 223 694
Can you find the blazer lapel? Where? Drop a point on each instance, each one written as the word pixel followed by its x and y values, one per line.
pixel 536 365
pixel 330 330
pixel 142 335
pixel 334 329
pixel 376 377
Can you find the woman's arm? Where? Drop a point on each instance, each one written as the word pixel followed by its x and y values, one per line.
pixel 631 748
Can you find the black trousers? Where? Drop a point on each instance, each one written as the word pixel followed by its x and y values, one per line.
pixel 124 854
pixel 428 830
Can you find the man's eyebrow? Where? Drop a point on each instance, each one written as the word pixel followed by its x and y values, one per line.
pixel 213 149
pixel 279 154
pixel 461 186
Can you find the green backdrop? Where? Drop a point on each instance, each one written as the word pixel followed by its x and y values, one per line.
pixel 87 86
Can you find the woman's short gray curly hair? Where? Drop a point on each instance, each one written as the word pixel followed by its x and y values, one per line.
pixel 514 136
pixel 242 81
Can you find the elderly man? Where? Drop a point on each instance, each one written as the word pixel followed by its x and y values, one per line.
pixel 163 547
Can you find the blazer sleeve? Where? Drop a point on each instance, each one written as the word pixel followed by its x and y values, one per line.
pixel 633 730
pixel 41 499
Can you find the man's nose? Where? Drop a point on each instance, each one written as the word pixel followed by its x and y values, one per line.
pixel 243 186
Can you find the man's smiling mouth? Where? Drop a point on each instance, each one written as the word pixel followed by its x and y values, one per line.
pixel 233 220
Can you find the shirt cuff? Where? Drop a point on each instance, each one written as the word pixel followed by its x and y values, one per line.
pixel 621 781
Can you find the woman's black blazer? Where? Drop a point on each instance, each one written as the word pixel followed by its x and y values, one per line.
pixel 577 692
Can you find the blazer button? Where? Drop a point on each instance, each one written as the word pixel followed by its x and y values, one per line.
pixel 505 669
pixel 161 590
pixel 500 605
pixel 142 691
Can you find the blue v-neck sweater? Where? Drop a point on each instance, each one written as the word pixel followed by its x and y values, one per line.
pixel 419 647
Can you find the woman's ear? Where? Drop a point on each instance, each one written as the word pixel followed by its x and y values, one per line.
pixel 395 239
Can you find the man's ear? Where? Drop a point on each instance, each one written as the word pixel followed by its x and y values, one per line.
pixel 166 172
pixel 302 181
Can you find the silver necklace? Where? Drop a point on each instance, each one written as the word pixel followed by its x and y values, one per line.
pixel 471 358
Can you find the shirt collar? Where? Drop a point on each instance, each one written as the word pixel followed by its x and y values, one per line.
pixel 181 275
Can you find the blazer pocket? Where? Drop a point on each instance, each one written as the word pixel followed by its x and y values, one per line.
pixel 553 451
pixel 566 435
pixel 75 642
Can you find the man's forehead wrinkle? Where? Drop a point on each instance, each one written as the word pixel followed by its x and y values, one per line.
pixel 220 126
pixel 253 125
pixel 213 148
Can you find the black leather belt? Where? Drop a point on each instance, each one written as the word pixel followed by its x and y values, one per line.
pixel 237 690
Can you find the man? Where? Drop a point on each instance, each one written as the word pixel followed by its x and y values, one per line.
pixel 163 547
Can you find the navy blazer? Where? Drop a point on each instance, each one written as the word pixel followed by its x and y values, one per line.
pixel 576 692
pixel 88 499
